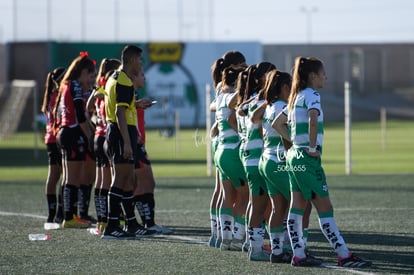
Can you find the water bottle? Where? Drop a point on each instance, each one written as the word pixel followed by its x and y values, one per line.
pixel 39 237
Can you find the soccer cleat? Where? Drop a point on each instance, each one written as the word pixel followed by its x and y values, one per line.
pixel 91 219
pixel 246 247
pixel 212 242
pixel 51 226
pixel 225 245
pixel 76 222
pixel 58 219
pixel 267 247
pixel 353 261
pixel 307 261
pixel 263 255
pixel 140 231
pixel 160 229
pixel 218 242
pixel 283 257
pixel 117 233
pixel 102 226
pixel 236 245
pixel 287 248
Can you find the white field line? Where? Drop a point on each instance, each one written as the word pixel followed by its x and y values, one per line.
pixel 2 213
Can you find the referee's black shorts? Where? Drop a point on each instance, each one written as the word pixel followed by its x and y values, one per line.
pixel 115 142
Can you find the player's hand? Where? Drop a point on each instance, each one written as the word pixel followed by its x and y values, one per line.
pixel 127 151
pixel 139 140
pixel 143 103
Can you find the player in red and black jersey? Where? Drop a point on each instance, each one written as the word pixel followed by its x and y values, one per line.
pixel 96 104
pixel 55 215
pixel 73 130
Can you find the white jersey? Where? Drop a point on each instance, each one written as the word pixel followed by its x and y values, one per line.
pixel 254 141
pixel 272 142
pixel 227 137
pixel 298 118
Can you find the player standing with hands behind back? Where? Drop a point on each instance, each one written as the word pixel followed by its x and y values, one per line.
pixel 306 175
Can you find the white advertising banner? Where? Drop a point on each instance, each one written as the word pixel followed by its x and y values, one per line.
pixel 177 75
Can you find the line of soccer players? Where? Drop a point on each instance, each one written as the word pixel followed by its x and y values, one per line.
pixel 267 141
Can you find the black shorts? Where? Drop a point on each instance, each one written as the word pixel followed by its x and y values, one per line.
pixel 101 158
pixel 116 143
pixel 54 155
pixel 141 158
pixel 73 144
pixel 90 155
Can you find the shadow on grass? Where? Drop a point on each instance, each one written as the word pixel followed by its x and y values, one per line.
pixel 389 253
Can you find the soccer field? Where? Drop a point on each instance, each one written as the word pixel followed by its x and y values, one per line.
pixel 373 210
pixel 373 214
pixel 374 151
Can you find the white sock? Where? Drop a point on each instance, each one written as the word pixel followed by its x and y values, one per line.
pixel 331 232
pixel 213 224
pixel 227 222
pixel 239 231
pixel 218 229
pixel 256 236
pixel 295 235
pixel 276 241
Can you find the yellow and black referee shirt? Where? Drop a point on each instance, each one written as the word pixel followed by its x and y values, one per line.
pixel 120 92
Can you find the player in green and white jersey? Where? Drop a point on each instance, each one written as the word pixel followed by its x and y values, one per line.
pixel 228 59
pixel 235 191
pixel 251 153
pixel 272 164
pixel 307 177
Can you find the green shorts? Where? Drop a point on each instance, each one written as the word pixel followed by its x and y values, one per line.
pixel 306 174
pixel 276 177
pixel 257 183
pixel 230 166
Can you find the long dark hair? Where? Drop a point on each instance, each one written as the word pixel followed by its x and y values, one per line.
pixel 303 67
pixel 73 73
pixel 228 59
pixel 274 82
pixel 52 84
pixel 230 76
pixel 107 65
pixel 254 79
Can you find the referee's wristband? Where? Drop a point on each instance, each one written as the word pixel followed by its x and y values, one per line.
pixel 312 149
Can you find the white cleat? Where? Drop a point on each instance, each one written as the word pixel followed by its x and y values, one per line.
pixel 51 226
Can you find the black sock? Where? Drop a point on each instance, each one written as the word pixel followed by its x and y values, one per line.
pixel 97 200
pixel 145 205
pixel 59 214
pixel 128 203
pixel 151 217
pixel 88 198
pixel 83 202
pixel 139 201
pixel 104 204
pixel 114 206
pixel 51 203
pixel 69 200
